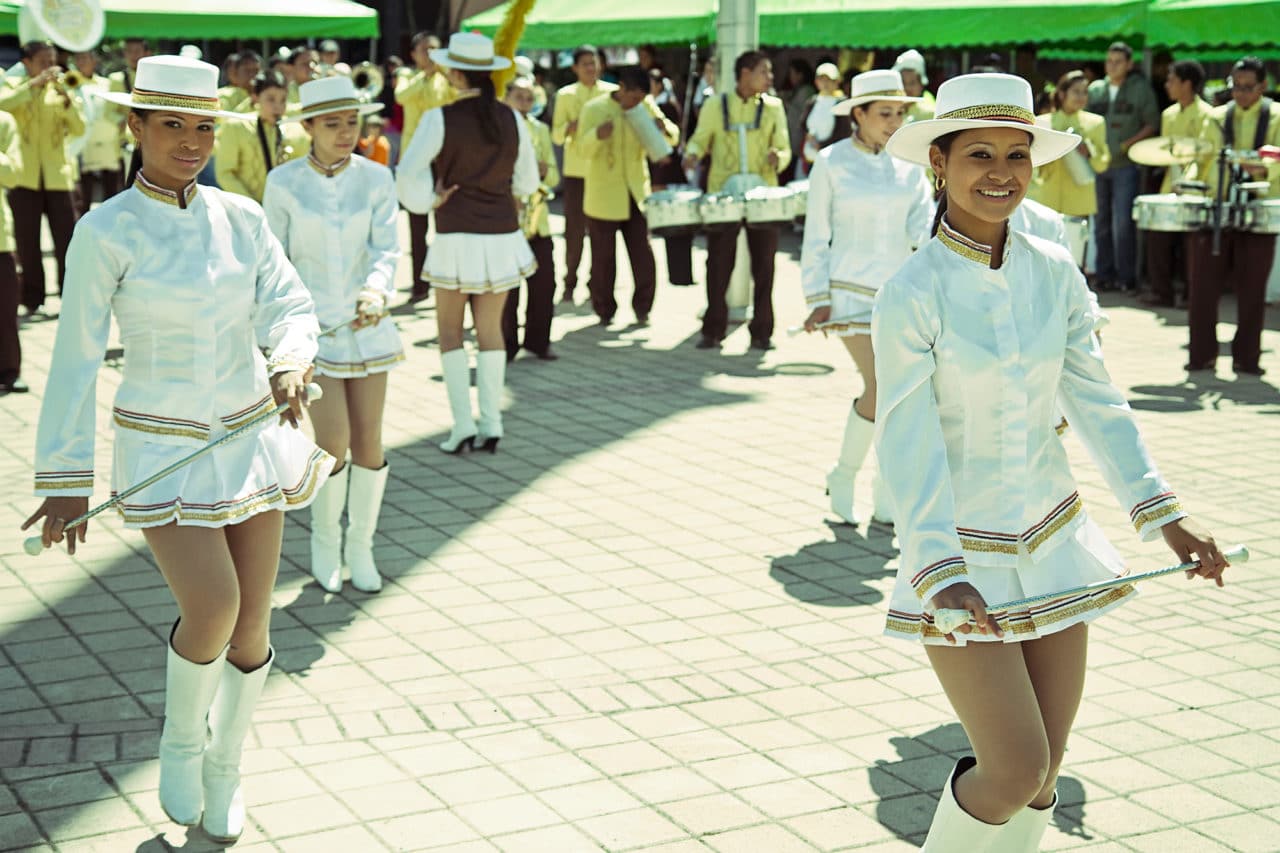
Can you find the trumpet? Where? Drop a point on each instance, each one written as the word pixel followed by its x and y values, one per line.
pixel 368 80
pixel 529 207
pixel 71 79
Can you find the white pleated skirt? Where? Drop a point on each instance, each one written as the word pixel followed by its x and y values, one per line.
pixel 479 263
pixel 276 468
pixel 1085 556
pixel 851 306
pixel 352 353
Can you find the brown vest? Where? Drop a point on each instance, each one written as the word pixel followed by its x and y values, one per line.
pixel 479 168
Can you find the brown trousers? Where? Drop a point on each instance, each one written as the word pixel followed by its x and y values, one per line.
pixel 722 248
pixel 575 229
pixel 418 253
pixel 1245 261
pixel 1160 249
pixel 539 307
pixel 604 263
pixel 29 207
pixel 10 347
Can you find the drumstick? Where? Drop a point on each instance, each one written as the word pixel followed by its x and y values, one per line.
pixel 795 330
pixel 34 545
pixel 345 323
pixel 947 620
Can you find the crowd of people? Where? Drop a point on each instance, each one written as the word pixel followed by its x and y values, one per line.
pixel 961 301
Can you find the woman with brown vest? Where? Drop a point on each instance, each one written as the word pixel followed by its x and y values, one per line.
pixel 469 161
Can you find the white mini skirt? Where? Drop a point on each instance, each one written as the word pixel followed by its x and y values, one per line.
pixel 276 468
pixel 352 353
pixel 1085 556
pixel 851 306
pixel 479 263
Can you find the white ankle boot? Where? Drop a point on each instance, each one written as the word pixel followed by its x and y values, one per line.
pixel 858 432
pixel 457 383
pixel 229 720
pixel 953 829
pixel 1024 830
pixel 363 506
pixel 491 376
pixel 188 691
pixel 326 531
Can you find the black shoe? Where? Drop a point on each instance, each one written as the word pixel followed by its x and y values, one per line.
pixel 16 385
pixel 490 444
pixel 642 319
pixel 1252 370
pixel 707 342
pixel 606 320
pixel 761 344
pixel 464 445
pixel 511 355
pixel 547 354
pixel 1196 366
pixel 419 295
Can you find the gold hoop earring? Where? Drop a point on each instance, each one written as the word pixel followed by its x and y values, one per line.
pixel 939 183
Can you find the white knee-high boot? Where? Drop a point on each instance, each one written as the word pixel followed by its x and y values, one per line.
pixel 858 432
pixel 1024 830
pixel 491 376
pixel 953 829
pixel 881 506
pixel 188 691
pixel 363 505
pixel 229 720
pixel 457 382
pixel 326 531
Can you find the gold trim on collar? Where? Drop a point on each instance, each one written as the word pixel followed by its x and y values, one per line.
pixel 963 246
pixel 161 194
pixel 328 171
pixel 992 112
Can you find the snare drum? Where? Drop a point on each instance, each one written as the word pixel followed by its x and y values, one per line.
pixel 673 212
pixel 801 191
pixel 770 207
pixel 1264 216
pixel 721 211
pixel 1171 212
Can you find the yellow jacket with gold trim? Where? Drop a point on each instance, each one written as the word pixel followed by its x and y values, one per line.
pixel 1052 184
pixel 240 165
pixel 196 290
pixel 47 120
pixel 617 167
pixel 711 137
pixel 10 168
pixel 418 91
pixel 568 108
pixel 540 135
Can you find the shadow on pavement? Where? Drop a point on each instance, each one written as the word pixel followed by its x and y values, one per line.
pixel 838 572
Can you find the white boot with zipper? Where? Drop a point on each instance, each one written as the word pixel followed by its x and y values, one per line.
pixel 229 720
pixel 364 503
pixel 326 531
pixel 188 691
pixel 858 432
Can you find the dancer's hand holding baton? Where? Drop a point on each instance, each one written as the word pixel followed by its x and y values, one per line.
pixel 369 312
pixel 68 517
pixel 817 317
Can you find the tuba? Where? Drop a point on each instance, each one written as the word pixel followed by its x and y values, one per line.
pixel 368 80
pixel 74 25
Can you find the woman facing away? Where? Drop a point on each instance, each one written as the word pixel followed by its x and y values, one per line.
pixel 197 284
pixel 977 337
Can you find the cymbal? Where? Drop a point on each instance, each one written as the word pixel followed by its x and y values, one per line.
pixel 1169 150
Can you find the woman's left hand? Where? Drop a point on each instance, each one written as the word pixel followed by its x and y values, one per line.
pixel 290 387
pixel 1189 540
pixel 368 313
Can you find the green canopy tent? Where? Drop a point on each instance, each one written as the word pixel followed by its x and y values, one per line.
pixel 554 24
pixel 1213 23
pixel 193 20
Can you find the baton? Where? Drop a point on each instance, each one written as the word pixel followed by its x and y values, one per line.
pixel 35 544
pixel 820 327
pixel 334 329
pixel 947 620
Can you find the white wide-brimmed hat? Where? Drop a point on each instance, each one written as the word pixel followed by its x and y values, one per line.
pixel 469 52
pixel 176 84
pixel 326 95
pixel 828 70
pixel 912 60
pixel 873 86
pixel 981 100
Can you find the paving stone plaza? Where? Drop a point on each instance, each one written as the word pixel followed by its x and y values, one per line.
pixel 637 627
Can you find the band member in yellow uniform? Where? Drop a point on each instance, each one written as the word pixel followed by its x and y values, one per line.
pixel 100 161
pixel 48 117
pixel 541 283
pixel 247 150
pixel 421 88
pixel 237 95
pixel 10 348
pixel 914 79
pixel 768 152
pixel 1185 118
pixel 617 185
pixel 564 131
pixel 1055 185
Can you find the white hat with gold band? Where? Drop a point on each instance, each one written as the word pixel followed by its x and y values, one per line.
pixel 326 95
pixel 469 52
pixel 981 100
pixel 873 86
pixel 176 84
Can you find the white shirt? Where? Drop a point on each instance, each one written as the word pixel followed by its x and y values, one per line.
pixel 196 291
pixel 822 122
pixel 340 232
pixel 866 213
pixel 970 363
pixel 416 184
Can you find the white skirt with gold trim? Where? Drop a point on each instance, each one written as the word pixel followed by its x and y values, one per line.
pixel 851 306
pixel 354 353
pixel 479 263
pixel 1083 557
pixel 278 467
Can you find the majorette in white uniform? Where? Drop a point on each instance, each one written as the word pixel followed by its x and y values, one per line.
pixel 197 284
pixel 866 213
pixel 971 363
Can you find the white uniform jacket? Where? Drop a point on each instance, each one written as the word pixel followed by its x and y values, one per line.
pixel 866 213
pixel 196 289
pixel 416 184
pixel 970 363
pixel 1040 220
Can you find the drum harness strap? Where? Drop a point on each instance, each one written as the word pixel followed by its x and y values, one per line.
pixel 741 129
pixel 1259 135
pixel 266 149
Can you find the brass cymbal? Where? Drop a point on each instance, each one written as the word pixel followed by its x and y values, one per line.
pixel 1169 150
